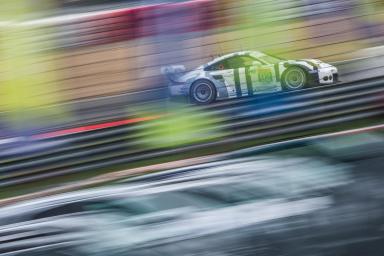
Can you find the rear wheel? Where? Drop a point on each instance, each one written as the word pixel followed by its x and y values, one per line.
pixel 294 78
pixel 203 92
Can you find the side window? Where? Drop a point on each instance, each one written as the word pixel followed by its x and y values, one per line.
pixel 233 193
pixel 60 210
pixel 240 62
pixel 249 61
pixel 235 62
pixel 113 205
pixel 221 65
pixel 77 207
pixel 244 61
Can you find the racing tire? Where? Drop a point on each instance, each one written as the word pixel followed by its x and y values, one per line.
pixel 294 78
pixel 203 92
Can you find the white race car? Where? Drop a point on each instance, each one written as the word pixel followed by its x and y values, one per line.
pixel 244 74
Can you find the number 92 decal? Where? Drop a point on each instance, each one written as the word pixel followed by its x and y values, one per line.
pixel 265 75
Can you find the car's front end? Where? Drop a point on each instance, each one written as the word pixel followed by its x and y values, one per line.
pixel 322 73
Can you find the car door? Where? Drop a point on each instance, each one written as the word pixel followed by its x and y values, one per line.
pixel 263 77
pixel 236 73
pixel 221 71
pixel 250 76
pixel 244 75
pixel 241 72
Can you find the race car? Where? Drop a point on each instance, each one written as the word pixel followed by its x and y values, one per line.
pixel 244 74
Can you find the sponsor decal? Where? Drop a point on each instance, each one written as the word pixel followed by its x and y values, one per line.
pixel 265 75
pixel 237 82
pixel 248 79
pixel 277 72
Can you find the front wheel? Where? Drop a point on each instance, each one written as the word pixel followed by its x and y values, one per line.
pixel 203 92
pixel 294 78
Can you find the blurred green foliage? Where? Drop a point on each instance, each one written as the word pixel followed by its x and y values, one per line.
pixel 180 125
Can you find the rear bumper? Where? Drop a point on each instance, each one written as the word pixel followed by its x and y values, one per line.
pixel 178 90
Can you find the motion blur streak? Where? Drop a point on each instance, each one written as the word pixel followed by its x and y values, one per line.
pixel 180 126
pixel 93 127
pixel 25 83
pixel 321 197
pixel 120 50
pixel 100 155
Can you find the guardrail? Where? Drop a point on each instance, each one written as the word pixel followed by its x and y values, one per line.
pixel 104 109
pixel 257 118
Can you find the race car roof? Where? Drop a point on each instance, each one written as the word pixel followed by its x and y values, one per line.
pixel 255 54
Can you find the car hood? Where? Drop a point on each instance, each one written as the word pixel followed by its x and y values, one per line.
pixel 317 63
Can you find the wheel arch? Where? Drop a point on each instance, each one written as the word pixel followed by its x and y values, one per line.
pixel 302 67
pixel 203 79
pixel 288 66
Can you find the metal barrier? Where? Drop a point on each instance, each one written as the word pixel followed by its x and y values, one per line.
pixel 102 109
pixel 267 116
